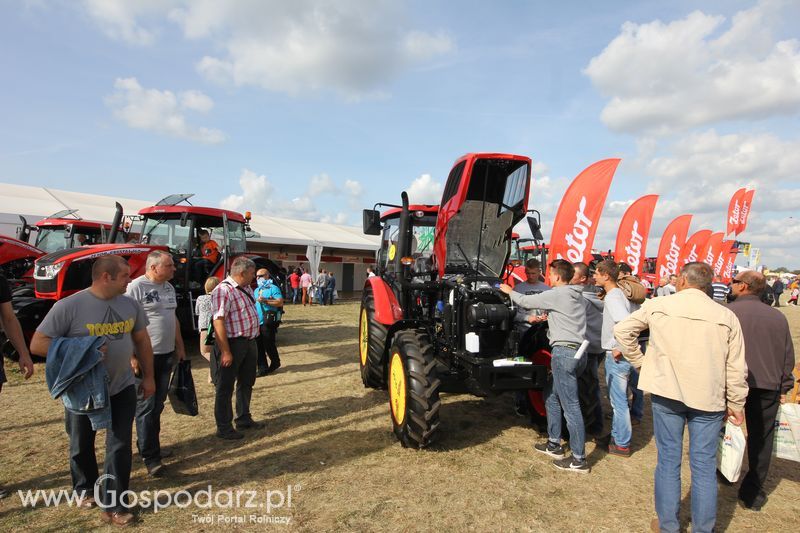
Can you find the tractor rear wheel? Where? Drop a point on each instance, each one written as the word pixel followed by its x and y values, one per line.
pixel 413 389
pixel 371 344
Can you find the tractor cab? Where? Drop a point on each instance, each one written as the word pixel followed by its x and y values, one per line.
pixel 66 229
pixel 422 220
pixel 202 240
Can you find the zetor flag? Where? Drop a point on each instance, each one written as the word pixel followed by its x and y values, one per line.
pixel 727 271
pixel 747 204
pixel 722 256
pixel 693 247
pixel 576 221
pixel 672 241
pixel 633 232
pixel 735 211
pixel 712 248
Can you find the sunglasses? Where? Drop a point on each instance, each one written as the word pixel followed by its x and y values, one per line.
pixel 739 281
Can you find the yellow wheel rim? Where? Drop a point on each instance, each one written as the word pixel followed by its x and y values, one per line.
pixel 363 337
pixel 397 389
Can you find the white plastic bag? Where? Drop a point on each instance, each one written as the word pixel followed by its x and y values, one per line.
pixel 787 432
pixel 731 452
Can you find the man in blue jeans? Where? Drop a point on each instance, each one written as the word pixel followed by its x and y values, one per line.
pixel 619 372
pixel 695 371
pixel 566 320
pixel 157 297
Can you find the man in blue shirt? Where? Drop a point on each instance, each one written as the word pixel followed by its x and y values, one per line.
pixel 269 305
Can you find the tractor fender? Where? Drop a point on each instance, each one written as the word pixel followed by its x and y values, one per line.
pixel 387 308
pixel 400 325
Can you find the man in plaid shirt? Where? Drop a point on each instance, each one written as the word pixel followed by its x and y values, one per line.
pixel 235 353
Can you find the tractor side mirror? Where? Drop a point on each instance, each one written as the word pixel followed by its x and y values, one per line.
pixel 536 230
pixel 372 222
pixel 69 231
pixel 184 218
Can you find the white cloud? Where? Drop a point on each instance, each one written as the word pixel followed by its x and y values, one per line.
pixel 663 77
pixel 424 190
pixel 120 19
pixel 719 159
pixel 161 111
pixel 256 190
pixel 259 195
pixel 353 48
pixel 196 101
pixel 321 184
pixel 353 188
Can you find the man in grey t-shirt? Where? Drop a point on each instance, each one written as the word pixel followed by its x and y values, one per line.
pixel 104 311
pixel 157 296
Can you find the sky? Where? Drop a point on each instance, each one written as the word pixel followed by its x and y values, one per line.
pixel 315 109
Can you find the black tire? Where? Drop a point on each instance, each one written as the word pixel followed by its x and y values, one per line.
pixel 373 347
pixel 413 389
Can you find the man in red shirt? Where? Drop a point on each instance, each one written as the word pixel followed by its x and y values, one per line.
pixel 294 283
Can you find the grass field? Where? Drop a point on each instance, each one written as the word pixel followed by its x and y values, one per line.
pixel 330 440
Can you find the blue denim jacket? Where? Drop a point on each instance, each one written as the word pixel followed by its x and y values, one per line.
pixel 76 373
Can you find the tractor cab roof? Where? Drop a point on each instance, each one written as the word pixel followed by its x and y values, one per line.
pixel 170 205
pixel 423 208
pixel 68 217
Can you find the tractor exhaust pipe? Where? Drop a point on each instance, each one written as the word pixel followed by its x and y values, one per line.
pixel 112 236
pixel 24 231
pixel 404 250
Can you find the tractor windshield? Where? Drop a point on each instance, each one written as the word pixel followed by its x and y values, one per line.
pixel 478 235
pixel 54 238
pixel 423 228
pixel 168 232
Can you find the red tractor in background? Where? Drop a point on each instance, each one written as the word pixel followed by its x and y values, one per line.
pixel 168 226
pixel 434 321
pixel 61 230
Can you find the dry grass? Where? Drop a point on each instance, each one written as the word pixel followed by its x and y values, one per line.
pixel 332 438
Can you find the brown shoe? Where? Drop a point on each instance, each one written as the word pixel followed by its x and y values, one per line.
pixel 117 518
pixel 654 525
pixel 621 451
pixel 88 503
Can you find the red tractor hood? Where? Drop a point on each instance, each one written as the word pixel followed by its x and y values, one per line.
pixel 11 249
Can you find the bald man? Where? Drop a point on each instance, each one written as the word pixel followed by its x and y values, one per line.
pixel 770 357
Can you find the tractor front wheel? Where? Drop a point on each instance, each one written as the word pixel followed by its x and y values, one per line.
pixel 371 344
pixel 413 389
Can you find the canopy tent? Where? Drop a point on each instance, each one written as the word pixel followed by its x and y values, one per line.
pixel 36 203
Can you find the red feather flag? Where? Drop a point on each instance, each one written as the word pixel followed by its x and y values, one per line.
pixel 633 232
pixel 672 242
pixel 747 203
pixel 735 211
pixel 693 247
pixel 576 221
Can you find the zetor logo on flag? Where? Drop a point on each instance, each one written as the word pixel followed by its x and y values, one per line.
pixel 633 231
pixel 576 239
pixel 575 224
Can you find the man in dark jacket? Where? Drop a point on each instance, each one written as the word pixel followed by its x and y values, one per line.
pixel 770 357
pixel 777 290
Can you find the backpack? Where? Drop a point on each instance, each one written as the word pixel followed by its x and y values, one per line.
pixel 633 290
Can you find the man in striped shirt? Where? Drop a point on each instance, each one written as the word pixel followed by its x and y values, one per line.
pixel 235 353
pixel 720 290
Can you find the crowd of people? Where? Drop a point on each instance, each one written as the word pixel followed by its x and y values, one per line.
pixel 703 360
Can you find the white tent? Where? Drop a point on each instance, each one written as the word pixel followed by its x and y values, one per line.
pixel 36 203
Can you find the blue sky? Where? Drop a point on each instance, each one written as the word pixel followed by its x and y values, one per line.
pixel 314 109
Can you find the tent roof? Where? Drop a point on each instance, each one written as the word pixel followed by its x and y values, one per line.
pixel 40 202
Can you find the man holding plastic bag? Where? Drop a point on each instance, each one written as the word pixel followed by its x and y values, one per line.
pixel 770 357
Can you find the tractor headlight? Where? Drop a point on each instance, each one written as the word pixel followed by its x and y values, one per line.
pixel 48 272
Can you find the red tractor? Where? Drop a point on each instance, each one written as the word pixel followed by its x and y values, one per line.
pixel 168 225
pixel 434 321
pixel 59 231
